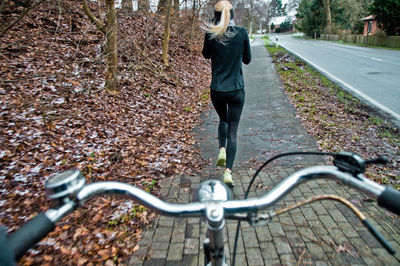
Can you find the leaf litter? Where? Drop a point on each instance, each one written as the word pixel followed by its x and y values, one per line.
pixel 56 116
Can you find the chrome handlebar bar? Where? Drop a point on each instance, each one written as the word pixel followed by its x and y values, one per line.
pixel 230 207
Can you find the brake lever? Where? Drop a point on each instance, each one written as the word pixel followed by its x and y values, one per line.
pixel 353 163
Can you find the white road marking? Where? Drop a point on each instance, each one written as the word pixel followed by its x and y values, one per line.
pixel 372 58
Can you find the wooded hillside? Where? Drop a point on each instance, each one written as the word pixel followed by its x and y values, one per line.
pixel 55 115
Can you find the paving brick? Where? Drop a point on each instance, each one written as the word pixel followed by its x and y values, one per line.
pixel 348 230
pixel 327 221
pixel 191 246
pixel 295 240
pixel 189 260
pixel 318 227
pixel 309 213
pixel 254 256
pixel 307 234
pixel 164 192
pixel 163 234
pixel 240 259
pixel 193 220
pixel 276 229
pixel 328 204
pixel 382 254
pixel 288 259
pixel 316 251
pixel 273 262
pixel 178 237
pixel 167 222
pixel 305 189
pixel 321 263
pixel 240 246
pixel 175 252
pixel 337 216
pixel 337 236
pixel 282 245
pixel 158 253
pixel 238 192
pixel 154 262
pixel 263 233
pixel 249 238
pixel 192 230
pixel 318 208
pixel 298 218
pixel 268 250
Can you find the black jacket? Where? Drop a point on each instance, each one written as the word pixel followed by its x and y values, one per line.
pixel 227 58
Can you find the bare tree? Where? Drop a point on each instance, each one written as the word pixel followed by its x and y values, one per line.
pixel 127 4
pixel 109 28
pixel 162 6
pixel 167 33
pixel 328 16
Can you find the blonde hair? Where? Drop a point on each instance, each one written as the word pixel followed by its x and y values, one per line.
pixel 218 30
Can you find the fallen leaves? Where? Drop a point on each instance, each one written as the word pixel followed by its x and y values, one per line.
pixel 55 116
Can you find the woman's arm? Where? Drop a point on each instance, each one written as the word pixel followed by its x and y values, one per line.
pixel 246 56
pixel 206 47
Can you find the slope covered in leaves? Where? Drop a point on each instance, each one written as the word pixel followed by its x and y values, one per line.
pixel 55 116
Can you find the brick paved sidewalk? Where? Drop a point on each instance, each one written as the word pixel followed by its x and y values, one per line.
pixel 321 233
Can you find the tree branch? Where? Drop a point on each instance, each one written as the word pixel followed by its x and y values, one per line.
pixel 20 17
pixel 97 22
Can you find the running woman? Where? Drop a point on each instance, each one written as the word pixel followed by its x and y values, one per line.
pixel 228 46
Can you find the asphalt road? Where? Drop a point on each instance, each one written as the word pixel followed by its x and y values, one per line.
pixel 371 74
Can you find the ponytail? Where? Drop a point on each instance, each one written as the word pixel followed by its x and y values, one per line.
pixel 222 15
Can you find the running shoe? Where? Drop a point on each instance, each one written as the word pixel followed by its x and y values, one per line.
pixel 221 161
pixel 228 179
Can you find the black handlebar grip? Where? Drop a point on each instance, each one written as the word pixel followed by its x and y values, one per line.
pixel 390 199
pixel 29 234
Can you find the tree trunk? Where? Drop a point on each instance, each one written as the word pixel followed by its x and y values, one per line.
pixel 167 32
pixel 328 16
pixel 251 18
pixel 111 49
pixel 127 4
pixel 162 6
pixel 143 5
pixel 176 7
pixel 192 20
pixel 110 31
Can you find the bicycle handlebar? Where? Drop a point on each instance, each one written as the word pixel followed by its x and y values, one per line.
pixel 41 225
pixel 390 199
pixel 235 206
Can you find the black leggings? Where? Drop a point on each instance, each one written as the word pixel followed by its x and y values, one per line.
pixel 229 107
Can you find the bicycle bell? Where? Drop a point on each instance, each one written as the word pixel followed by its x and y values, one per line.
pixel 213 190
pixel 65 184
